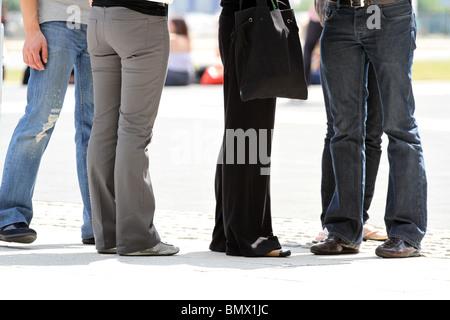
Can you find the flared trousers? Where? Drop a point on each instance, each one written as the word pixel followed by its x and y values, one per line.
pixel 242 185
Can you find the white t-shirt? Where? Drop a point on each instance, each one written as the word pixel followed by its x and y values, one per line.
pixel 63 10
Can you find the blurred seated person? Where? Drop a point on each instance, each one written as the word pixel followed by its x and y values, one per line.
pixel 180 63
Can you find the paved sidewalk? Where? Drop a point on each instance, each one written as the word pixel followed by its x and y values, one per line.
pixel 57 266
pixel 183 152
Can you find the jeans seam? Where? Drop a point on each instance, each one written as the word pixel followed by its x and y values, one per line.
pixel 361 144
pixel 82 126
pixel 411 51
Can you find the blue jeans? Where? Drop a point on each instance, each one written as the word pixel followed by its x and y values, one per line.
pixel 374 133
pixel 46 92
pixel 347 46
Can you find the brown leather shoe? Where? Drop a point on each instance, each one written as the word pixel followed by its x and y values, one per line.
pixel 334 245
pixel 396 248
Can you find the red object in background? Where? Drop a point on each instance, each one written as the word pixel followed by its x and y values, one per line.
pixel 212 75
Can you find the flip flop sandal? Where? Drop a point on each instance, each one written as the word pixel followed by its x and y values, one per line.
pixel 371 234
pixel 322 236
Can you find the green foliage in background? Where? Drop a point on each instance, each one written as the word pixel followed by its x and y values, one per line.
pixel 432 6
pixel 431 70
pixel 13 5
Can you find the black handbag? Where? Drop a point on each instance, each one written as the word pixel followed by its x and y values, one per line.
pixel 268 52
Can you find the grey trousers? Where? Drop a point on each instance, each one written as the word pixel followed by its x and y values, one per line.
pixel 129 53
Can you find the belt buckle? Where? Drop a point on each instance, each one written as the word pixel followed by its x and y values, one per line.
pixel 357 3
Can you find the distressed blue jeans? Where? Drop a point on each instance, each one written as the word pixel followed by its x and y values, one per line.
pixel 45 97
pixel 347 47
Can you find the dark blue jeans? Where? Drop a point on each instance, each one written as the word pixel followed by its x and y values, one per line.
pixel 347 46
pixel 374 133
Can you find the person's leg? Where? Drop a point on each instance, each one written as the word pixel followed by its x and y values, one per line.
pixel 144 66
pixel 243 214
pixel 391 52
pixel 344 79
pixel 328 182
pixel 46 92
pixel 101 157
pixel 374 132
pixel 219 239
pixel 84 114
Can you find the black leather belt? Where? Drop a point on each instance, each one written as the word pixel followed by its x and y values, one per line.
pixel 363 3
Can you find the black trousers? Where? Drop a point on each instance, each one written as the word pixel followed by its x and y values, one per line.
pixel 243 211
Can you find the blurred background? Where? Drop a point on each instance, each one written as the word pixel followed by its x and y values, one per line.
pixel 432 57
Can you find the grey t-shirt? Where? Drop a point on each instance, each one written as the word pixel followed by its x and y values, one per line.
pixel 63 10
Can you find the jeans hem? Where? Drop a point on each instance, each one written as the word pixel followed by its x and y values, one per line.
pixel 13 218
pixel 345 239
pixel 414 243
